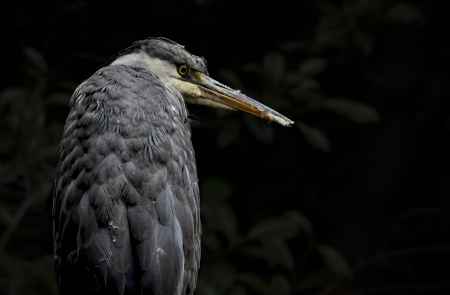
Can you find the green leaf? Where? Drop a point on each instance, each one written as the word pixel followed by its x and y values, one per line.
pixel 313 66
pixel 251 68
pixel 255 283
pixel 261 130
pixel 228 134
pixel 286 226
pixel 5 217
pixel 273 251
pixel 238 290
pixel 353 110
pixel 217 210
pixel 221 219
pixel 59 99
pixel 334 261
pixel 274 67
pixel 301 221
pixel 293 46
pixel 36 59
pixel 216 188
pixel 12 95
pixel 405 13
pixel 231 77
pixel 273 227
pixel 228 223
pixel 309 84
pixel 314 137
pixel 280 285
pixel 364 41
pixel 314 280
pixel 224 272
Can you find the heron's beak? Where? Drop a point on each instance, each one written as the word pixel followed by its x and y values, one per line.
pixel 215 93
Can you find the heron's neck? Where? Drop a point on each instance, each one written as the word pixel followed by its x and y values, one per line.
pixel 157 66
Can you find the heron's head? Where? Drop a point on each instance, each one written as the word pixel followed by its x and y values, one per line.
pixel 188 74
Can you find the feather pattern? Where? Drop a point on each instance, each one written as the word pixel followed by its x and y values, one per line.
pixel 126 202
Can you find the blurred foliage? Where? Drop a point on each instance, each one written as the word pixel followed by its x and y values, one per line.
pixel 278 253
pixel 28 152
pixel 290 78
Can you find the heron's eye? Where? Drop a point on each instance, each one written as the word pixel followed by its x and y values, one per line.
pixel 183 70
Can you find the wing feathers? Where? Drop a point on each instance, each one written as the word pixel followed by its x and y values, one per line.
pixel 125 206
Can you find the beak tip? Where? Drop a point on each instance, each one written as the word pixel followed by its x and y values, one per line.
pixel 286 123
pixel 282 120
pixel 289 124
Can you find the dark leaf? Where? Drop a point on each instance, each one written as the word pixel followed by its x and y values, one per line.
pixel 309 84
pixel 363 41
pixel 229 134
pixel 314 137
pixel 313 66
pixel 36 59
pixel 225 274
pixel 216 188
pixel 280 286
pixel 300 220
pixel 353 110
pixel 260 129
pixel 238 290
pixel 217 210
pixel 293 46
pixel 274 67
pixel 12 94
pixel 59 99
pixel 227 223
pixel 5 217
pixel 334 261
pixel 254 282
pixel 314 280
pixel 252 68
pixel 273 251
pixel 405 13
pixel 231 78
pixel 285 227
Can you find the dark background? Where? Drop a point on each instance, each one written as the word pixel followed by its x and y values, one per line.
pixel 349 201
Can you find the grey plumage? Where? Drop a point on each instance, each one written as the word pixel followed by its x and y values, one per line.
pixel 126 199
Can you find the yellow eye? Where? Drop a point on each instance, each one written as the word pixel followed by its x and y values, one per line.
pixel 183 70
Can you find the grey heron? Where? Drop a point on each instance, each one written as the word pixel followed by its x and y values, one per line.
pixel 126 200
